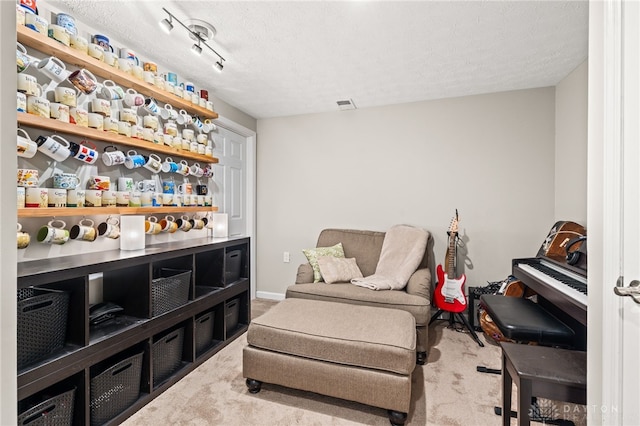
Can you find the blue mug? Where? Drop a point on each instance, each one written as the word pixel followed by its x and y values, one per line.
pixel 134 160
pixel 68 22
pixel 169 166
pixel 103 41
pixel 172 77
pixel 168 187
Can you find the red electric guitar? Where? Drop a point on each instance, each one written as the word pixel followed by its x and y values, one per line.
pixel 449 294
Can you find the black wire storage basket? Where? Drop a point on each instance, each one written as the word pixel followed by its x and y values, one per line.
pixel 204 332
pixel 54 411
pixel 42 323
pixel 114 389
pixel 167 355
pixel 170 290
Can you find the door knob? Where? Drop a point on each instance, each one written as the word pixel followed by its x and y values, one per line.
pixel 633 290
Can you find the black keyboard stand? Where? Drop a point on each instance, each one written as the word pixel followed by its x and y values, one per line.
pixel 462 318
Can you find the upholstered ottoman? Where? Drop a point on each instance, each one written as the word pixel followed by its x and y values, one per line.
pixel 358 353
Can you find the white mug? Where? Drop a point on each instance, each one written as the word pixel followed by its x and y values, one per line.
pixel 84 230
pixel 66 95
pixel 96 51
pixel 27 148
pixel 39 105
pixel 59 111
pixel 154 163
pixel 54 146
pixel 112 156
pixel 75 197
pixel 133 98
pixel 28 84
pixel 96 121
pixel 53 68
pixel 101 106
pixel 57 197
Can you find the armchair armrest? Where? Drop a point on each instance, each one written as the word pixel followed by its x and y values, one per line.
pixel 305 274
pixel 420 283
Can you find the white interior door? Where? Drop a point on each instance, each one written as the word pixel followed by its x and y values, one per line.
pixel 230 178
pixel 621 201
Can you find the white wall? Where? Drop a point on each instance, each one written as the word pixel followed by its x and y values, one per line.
pixel 490 156
pixel 571 147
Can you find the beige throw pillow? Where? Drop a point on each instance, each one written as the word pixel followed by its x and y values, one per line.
pixel 338 269
pixel 314 253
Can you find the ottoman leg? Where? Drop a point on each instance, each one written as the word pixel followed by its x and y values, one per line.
pixel 254 385
pixel 421 358
pixel 397 418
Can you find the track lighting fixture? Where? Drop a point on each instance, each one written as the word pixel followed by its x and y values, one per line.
pixel 199 31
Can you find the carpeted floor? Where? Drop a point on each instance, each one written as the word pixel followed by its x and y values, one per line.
pixel 446 391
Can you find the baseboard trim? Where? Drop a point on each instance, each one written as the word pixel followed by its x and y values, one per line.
pixel 269 295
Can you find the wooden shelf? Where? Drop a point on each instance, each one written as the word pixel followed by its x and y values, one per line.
pixel 92 211
pixel 47 45
pixel 91 133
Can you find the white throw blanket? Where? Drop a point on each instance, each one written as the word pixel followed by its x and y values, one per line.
pixel 402 251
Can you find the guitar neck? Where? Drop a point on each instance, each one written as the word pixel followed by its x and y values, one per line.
pixel 451 255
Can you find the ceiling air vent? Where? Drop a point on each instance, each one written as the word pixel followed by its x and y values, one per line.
pixel 345 105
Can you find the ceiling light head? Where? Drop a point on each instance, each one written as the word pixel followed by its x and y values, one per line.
pixel 196 49
pixel 218 65
pixel 166 25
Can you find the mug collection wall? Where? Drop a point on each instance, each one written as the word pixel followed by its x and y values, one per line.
pixel 51 164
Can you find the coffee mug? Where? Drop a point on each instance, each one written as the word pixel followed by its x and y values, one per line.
pixel 199 223
pixel 168 113
pixel 112 156
pixel 23 238
pixel 184 118
pixel 189 134
pixel 84 230
pixel 110 124
pixel 65 181
pixel 79 43
pixel 109 228
pixel 27 148
pixel 95 120
pixel 208 200
pixel 124 128
pixel 134 199
pixel 53 232
pixel 22 59
pixel 85 151
pixel 110 59
pixel 168 186
pixel 102 41
pixel 134 160
pixel 171 128
pixel 185 188
pixel 133 98
pixel 84 80
pixel 28 85
pixel 208 171
pixel 27 177
pixel 151 226
pixel 79 116
pixel 57 197
pixel 109 198
pixel 59 34
pixel 178 91
pixel 111 91
pixel 123 198
pixel 146 185
pixel 60 112
pixel 148 134
pixel 54 146
pixel 125 65
pixel 196 170
pixel 201 189
pixel 76 197
pixel 125 184
pixel 137 72
pixel 167 199
pixel 168 224
pixel 95 51
pixel 183 168
pixel 184 224
pixel 146 199
pixel 152 106
pixel 21 103
pixel 39 105
pixel 93 198
pixel 101 106
pixel 158 81
pixel 67 22
pixel 102 183
pixel 53 68
pixel 20 15
pixel 169 166
pixel 128 115
pixel 149 77
pixel 66 96
pixel 177 200
pixel 36 197
pixel 150 121
pixel 36 23
pixel 154 163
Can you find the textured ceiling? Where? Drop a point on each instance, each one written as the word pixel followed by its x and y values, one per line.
pixel 288 58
